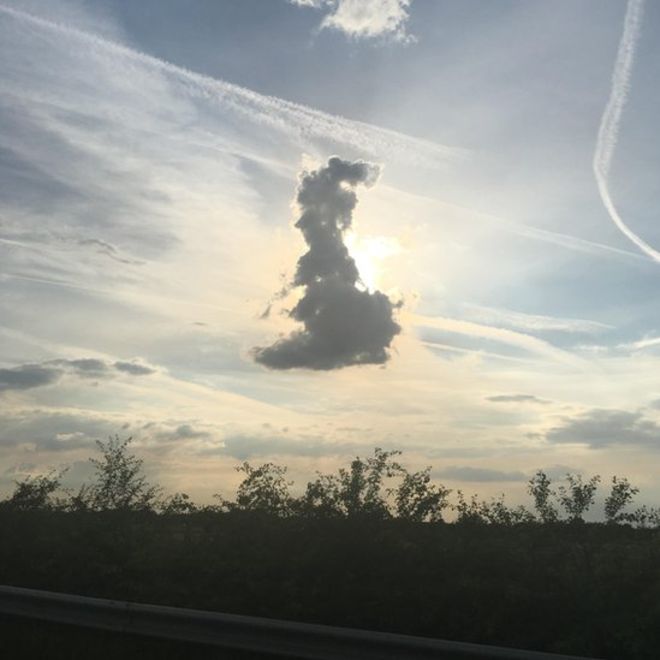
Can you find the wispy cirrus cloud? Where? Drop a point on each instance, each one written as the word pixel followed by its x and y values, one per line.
pixel 533 322
pixel 295 119
pixel 505 336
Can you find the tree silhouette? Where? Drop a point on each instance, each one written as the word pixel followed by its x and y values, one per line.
pixel 578 496
pixel 621 495
pixel 358 490
pixel 120 482
pixel 36 492
pixel 177 504
pixel 263 489
pixel 417 499
pixel 539 488
pixel 496 512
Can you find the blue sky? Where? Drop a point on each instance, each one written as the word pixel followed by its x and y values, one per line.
pixel 149 158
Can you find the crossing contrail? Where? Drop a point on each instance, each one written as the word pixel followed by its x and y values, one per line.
pixel 608 132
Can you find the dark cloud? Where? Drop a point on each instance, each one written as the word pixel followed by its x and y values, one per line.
pixel 186 431
pixel 344 324
pixel 27 376
pixel 84 367
pixel 516 398
pixel 604 427
pixel 134 368
pixel 466 473
pixel 88 365
pixel 54 431
pixel 181 432
pixel 44 430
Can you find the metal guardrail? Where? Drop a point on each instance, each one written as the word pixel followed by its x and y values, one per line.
pixel 269 636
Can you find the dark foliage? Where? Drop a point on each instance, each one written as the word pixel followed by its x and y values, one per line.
pixel 366 547
pixel 36 492
pixel 591 589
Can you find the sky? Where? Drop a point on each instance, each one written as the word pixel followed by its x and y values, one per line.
pixel 296 230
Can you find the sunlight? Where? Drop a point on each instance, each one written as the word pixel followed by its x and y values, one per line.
pixel 369 253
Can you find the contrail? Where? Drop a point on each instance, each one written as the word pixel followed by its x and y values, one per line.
pixel 272 111
pixel 608 131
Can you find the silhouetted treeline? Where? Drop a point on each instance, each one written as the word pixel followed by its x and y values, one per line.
pixel 364 547
pixel 377 486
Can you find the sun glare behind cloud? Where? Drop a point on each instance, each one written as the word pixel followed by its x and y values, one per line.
pixel 370 254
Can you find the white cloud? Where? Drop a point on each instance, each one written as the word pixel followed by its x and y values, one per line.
pixel 364 19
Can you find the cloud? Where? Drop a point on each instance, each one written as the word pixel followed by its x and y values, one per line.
pixel 134 368
pixel 84 367
pixel 364 19
pixel 27 376
pixel 466 473
pixel 292 118
pixel 343 324
pixel 534 322
pixel 563 240
pixel 641 344
pixel 55 431
pixel 61 431
pixel 516 398
pixel 491 333
pixel 451 352
pixel 182 432
pixel 246 446
pixel 602 427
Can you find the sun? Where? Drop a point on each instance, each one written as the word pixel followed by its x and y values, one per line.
pixel 369 253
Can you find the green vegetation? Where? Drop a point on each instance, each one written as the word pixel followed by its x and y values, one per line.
pixel 365 547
